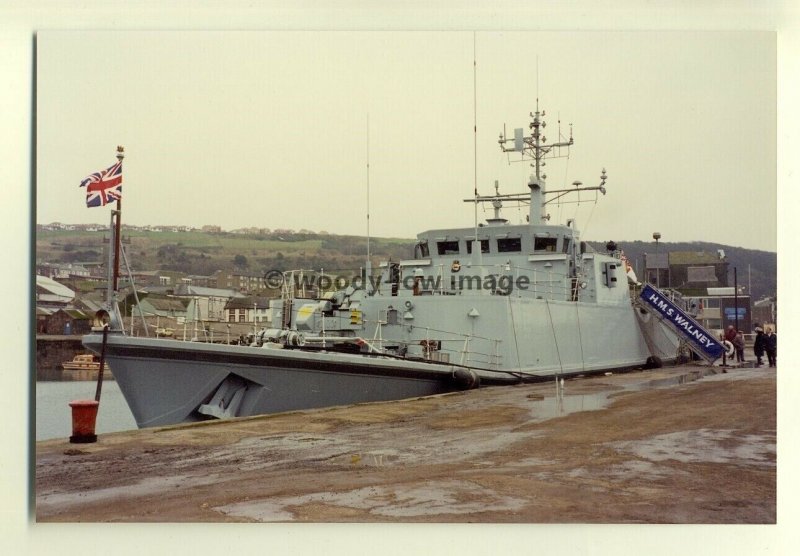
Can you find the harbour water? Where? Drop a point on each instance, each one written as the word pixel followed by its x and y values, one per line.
pixel 54 416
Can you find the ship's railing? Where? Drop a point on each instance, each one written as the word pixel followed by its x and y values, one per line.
pixel 172 327
pixel 433 343
pixel 675 297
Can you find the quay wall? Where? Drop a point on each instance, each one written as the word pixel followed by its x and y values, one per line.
pixel 51 351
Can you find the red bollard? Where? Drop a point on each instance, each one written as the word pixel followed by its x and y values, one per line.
pixel 84 415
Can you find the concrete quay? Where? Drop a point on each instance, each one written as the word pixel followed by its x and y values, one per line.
pixel 688 444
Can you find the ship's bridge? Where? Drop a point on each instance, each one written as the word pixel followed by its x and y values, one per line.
pixel 496 242
pixel 543 259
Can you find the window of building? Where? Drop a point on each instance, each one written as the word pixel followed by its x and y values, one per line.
pixel 484 246
pixel 545 244
pixel 241 315
pixel 231 315
pixel 711 303
pixel 509 245
pixel 448 247
pixel 713 323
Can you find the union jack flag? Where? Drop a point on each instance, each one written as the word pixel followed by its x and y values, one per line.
pixel 104 186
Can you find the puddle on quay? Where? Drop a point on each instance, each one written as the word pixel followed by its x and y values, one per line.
pixel 676 380
pixel 560 403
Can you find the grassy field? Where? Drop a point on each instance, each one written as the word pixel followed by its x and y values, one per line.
pixel 198 252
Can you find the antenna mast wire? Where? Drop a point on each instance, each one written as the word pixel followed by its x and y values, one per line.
pixel 476 245
pixel 368 186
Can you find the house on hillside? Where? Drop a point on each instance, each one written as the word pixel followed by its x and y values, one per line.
pixel 244 282
pixel 200 280
pixel 205 304
pixel 248 309
pixel 60 271
pixel 144 278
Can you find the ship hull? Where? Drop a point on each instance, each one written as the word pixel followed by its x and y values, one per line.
pixel 166 381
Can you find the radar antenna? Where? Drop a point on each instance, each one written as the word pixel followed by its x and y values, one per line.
pixel 535 149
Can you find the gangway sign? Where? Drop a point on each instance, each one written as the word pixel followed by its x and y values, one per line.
pixel 701 339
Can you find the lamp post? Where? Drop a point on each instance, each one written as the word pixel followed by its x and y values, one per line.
pixel 657 236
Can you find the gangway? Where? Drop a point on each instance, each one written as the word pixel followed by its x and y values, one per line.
pixel 700 340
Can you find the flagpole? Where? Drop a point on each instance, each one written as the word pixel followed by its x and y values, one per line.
pixel 117 227
pixel 114 305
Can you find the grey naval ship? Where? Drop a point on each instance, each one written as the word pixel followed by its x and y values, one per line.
pixel 490 304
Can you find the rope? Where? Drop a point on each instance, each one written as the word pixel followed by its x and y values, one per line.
pixel 564 186
pixel 514 330
pixel 135 294
pixel 585 227
pixel 555 340
pixel 580 337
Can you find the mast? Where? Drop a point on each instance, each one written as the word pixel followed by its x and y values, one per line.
pixel 115 226
pixel 535 149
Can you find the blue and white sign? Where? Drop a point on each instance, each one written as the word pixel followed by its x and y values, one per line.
pixel 683 323
pixel 732 313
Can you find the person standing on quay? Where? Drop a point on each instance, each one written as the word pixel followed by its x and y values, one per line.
pixel 758 345
pixel 771 347
pixel 730 334
pixel 738 343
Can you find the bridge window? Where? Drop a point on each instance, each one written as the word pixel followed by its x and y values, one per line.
pixel 565 249
pixel 509 245
pixel 545 244
pixel 447 247
pixel 484 246
pixel 421 250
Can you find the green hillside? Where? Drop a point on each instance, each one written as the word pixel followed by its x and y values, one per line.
pixel 203 253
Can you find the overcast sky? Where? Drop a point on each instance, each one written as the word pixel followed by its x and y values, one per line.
pixel 274 129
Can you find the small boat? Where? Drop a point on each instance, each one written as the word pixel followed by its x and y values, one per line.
pixel 84 362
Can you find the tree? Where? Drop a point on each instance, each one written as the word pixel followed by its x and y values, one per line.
pixel 240 261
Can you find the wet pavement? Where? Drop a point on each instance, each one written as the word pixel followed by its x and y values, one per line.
pixel 678 445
